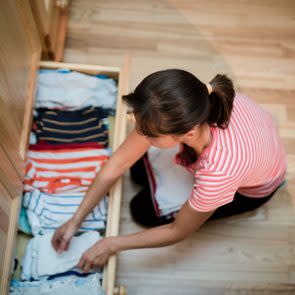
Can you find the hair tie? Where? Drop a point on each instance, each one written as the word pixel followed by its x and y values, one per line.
pixel 209 88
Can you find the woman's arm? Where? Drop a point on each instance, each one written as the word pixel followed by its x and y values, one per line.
pixel 187 221
pixel 124 157
pixel 133 147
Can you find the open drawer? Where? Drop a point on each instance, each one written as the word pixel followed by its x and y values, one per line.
pixel 118 134
pixel 20 53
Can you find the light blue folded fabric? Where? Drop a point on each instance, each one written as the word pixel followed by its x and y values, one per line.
pixel 71 90
pixel 72 285
pixel 23 223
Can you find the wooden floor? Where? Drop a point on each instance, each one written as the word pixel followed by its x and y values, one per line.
pixel 254 43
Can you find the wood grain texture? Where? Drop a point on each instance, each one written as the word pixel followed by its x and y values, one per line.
pixel 19 54
pixel 9 211
pixel 18 49
pixel 254 43
pixel 51 22
pixel 8 243
pixel 251 41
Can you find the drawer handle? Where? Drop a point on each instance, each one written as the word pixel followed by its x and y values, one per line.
pixel 121 290
pixel 62 4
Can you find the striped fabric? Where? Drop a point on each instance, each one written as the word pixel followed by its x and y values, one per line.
pixel 247 157
pixel 63 171
pixel 49 211
pixel 80 126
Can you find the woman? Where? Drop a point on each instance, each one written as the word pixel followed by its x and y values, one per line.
pixel 227 141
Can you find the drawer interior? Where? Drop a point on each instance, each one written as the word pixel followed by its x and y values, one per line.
pixel 117 131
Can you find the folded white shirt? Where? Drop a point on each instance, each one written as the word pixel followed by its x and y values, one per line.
pixel 41 259
pixel 174 183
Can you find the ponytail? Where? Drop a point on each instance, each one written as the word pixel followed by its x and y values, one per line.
pixel 174 101
pixel 221 101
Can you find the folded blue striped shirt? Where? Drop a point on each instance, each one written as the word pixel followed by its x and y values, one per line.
pixel 46 212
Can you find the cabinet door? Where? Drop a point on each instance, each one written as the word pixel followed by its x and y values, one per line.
pixel 19 58
pixel 51 17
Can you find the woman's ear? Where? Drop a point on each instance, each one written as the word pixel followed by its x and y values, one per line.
pixel 193 133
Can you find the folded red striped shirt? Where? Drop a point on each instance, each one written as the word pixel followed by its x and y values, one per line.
pixel 65 171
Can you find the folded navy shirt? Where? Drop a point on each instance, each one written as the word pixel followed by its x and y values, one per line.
pixel 79 126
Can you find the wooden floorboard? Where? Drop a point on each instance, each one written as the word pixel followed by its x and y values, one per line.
pixel 254 43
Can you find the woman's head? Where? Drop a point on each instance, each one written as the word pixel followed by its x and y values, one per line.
pixel 173 102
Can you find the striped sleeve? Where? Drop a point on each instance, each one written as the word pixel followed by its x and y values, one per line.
pixel 212 190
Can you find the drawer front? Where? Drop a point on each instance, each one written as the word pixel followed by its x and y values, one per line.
pixel 10 192
pixel 9 176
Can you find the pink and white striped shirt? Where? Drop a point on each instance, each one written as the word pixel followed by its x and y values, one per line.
pixel 247 157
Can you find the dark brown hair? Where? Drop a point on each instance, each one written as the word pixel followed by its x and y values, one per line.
pixel 174 101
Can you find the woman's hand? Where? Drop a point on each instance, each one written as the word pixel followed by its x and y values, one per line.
pixel 97 255
pixel 63 235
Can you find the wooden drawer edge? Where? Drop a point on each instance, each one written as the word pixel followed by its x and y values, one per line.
pixel 86 68
pixel 116 192
pixel 27 123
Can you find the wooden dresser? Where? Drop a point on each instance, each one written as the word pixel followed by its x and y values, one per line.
pixel 20 54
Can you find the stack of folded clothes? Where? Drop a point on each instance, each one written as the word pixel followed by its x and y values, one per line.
pixel 69 144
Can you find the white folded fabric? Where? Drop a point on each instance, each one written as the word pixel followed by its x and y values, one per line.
pixel 174 183
pixel 41 259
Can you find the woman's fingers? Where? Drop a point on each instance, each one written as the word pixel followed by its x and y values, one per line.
pixel 81 262
pixel 95 256
pixel 64 245
pixel 98 262
pixel 87 266
pixel 63 235
pixel 86 262
pixel 59 241
pixel 56 240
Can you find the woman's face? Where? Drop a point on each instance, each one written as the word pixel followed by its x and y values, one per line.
pixel 164 141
